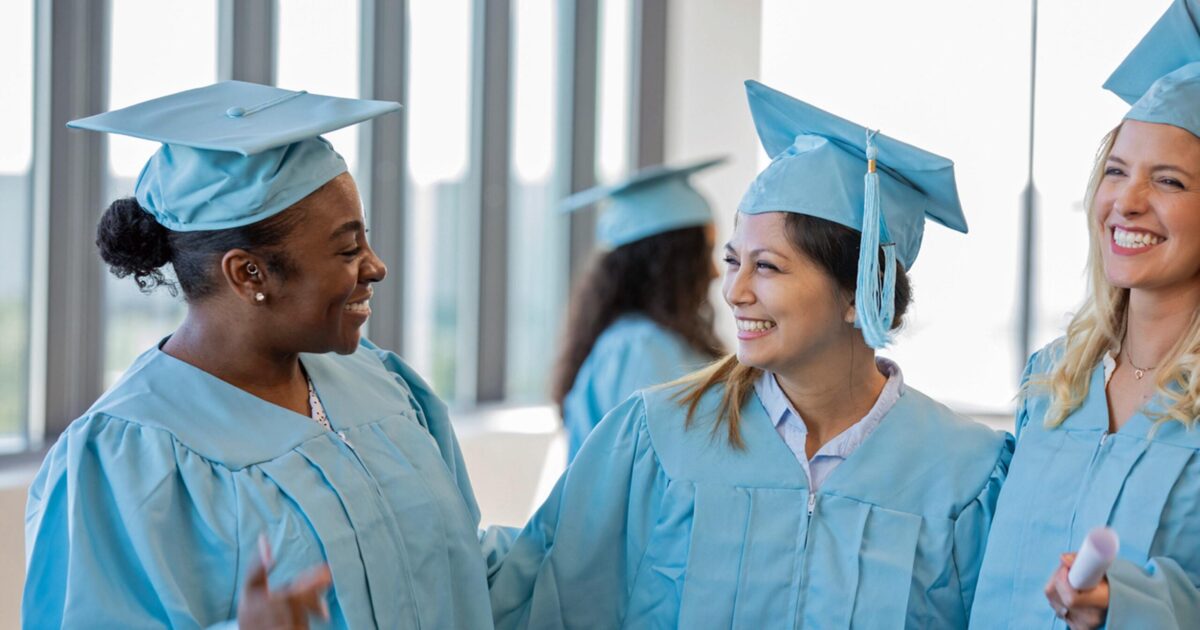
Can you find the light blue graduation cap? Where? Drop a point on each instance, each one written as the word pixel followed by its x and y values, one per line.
pixel 233 153
pixel 652 201
pixel 827 167
pixel 1161 76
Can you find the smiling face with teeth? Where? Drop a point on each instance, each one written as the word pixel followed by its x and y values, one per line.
pixel 790 312
pixel 1147 206
pixel 322 306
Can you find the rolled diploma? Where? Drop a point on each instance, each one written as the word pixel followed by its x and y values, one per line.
pixel 1095 556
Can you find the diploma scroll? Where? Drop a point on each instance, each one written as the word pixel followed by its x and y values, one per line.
pixel 1095 556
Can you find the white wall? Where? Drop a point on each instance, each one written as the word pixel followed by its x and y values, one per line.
pixel 712 47
pixel 14 485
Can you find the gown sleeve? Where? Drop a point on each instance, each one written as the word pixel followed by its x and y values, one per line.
pixel 573 565
pixel 494 542
pixel 1024 390
pixel 114 537
pixel 1161 594
pixel 436 419
pixel 973 523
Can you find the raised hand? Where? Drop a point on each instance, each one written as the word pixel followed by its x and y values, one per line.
pixel 288 608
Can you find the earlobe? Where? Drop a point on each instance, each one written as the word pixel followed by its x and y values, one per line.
pixel 850 314
pixel 246 275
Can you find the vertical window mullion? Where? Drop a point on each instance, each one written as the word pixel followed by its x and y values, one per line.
pixel 649 89
pixel 246 41
pixel 384 151
pixel 77 86
pixel 494 151
pixel 583 18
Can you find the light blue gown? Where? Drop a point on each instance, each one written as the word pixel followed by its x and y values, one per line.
pixel 631 354
pixel 147 511
pixel 1064 482
pixel 658 526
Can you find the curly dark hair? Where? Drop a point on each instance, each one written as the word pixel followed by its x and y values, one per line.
pixel 134 244
pixel 664 277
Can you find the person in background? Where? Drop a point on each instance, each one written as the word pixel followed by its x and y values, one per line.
pixel 800 483
pixel 640 314
pixel 1106 425
pixel 265 421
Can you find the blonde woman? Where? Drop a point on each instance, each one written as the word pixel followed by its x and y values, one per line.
pixel 1106 428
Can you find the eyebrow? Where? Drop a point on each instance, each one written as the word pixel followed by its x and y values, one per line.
pixel 349 226
pixel 1156 168
pixel 1171 167
pixel 755 252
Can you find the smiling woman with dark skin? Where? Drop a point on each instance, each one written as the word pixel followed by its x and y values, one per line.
pixel 264 466
pixel 317 302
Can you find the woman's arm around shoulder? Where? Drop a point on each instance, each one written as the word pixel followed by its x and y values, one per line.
pixel 573 564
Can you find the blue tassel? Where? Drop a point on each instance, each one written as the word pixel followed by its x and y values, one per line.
pixel 874 301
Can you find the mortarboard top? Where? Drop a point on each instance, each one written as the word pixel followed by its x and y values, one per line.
pixel 652 201
pixel 234 153
pixel 828 167
pixel 1160 78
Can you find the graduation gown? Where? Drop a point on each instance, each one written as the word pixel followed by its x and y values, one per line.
pixel 658 526
pixel 631 354
pixel 147 511
pixel 1067 480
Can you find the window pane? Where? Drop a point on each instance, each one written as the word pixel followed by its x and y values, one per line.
pixel 537 231
pixel 183 38
pixel 318 51
pixel 441 248
pixel 952 77
pixel 1080 42
pixel 615 78
pixel 16 158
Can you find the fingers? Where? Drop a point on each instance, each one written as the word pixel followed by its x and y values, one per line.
pixel 1066 594
pixel 1080 609
pixel 1051 589
pixel 264 552
pixel 307 593
pixel 260 566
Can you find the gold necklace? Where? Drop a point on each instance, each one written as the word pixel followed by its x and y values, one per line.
pixel 1138 372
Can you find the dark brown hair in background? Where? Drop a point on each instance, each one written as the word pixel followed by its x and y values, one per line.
pixel 664 277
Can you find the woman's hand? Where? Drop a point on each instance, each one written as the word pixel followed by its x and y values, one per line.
pixel 1082 610
pixel 261 608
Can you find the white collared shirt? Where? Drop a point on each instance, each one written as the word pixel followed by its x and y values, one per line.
pixel 794 432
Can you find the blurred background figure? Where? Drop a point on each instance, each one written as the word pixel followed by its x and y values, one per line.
pixel 640 315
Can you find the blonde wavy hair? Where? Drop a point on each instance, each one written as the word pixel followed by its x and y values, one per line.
pixel 1099 327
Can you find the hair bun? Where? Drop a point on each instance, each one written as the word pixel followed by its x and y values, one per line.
pixel 133 243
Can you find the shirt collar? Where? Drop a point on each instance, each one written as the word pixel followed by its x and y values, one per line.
pixel 780 410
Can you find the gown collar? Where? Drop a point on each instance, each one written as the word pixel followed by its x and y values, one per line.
pixel 235 428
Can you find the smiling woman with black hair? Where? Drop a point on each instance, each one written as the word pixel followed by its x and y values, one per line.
pixel 265 421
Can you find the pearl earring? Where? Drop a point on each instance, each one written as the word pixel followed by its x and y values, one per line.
pixel 259 297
